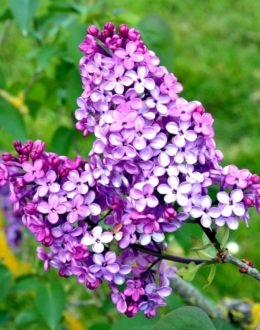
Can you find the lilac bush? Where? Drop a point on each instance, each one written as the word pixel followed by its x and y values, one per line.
pixel 153 165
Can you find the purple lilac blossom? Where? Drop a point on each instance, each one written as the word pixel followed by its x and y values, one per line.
pixel 151 167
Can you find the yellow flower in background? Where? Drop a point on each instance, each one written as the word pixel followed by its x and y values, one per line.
pixel 16 101
pixel 255 324
pixel 7 256
pixel 73 323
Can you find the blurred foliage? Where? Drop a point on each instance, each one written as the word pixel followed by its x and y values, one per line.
pixel 213 48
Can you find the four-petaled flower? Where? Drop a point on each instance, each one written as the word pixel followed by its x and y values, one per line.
pixel 143 197
pixel 105 265
pixel 205 212
pixel 175 191
pixel 76 183
pixel 33 171
pixel 54 208
pixel 97 239
pixel 48 184
pixel 231 204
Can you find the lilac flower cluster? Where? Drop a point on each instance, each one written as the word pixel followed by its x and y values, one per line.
pixel 13 226
pixel 154 164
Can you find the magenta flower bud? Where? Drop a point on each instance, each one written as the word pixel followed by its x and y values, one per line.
pixel 132 310
pixel 27 147
pixel 110 27
pixel 200 109
pixel 255 179
pixel 30 208
pixel 81 252
pixel 17 145
pixel 6 157
pixel 123 30
pixel 249 201
pixel 170 213
pixel 93 285
pixel 63 172
pixel 93 30
pixel 134 35
pixel 104 34
pixel 37 150
pixel 23 158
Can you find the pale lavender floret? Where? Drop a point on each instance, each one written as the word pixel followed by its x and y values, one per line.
pixel 118 80
pixel 129 236
pixel 158 101
pixel 33 171
pixel 231 222
pixel 182 109
pixel 143 133
pixel 231 204
pixel 77 209
pixel 146 238
pixel 193 176
pixel 129 55
pixel 97 239
pixel 130 100
pixel 141 79
pixel 122 149
pixel 203 123
pixel 175 191
pixel 54 208
pixel 134 289
pixel 188 154
pixel 205 212
pixel 76 183
pixel 48 184
pixel 236 176
pixel 143 197
pixel 101 100
pixel 163 150
pixel 120 118
pixel 170 86
pixel 120 276
pixel 181 133
pixel 105 265
pixel 3 175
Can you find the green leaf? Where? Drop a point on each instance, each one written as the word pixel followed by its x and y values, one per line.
pixel 45 56
pixel 74 88
pixel 27 283
pixel 158 36
pixel 2 79
pixel 224 236
pixel 223 325
pixel 12 121
pixel 189 272
pixel 24 11
pixel 139 322
pixel 76 35
pixel 50 301
pixel 61 140
pixel 211 276
pixel 185 318
pixel 25 318
pixel 5 280
pixel 4 317
pixel 188 235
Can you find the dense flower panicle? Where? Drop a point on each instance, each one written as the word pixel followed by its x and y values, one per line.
pixel 153 165
pixel 14 226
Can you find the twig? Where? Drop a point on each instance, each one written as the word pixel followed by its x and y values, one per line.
pixel 172 257
pixel 226 257
pixel 239 312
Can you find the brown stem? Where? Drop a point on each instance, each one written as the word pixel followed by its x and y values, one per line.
pixel 172 257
